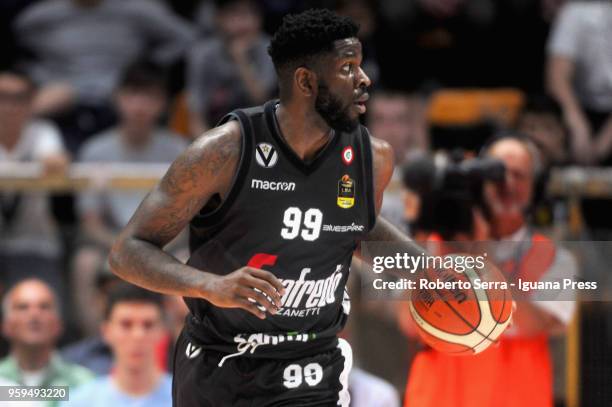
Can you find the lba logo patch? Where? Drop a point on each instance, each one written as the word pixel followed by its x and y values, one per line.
pixel 347 155
pixel 346 192
pixel 266 155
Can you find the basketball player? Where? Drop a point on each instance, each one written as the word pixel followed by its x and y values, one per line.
pixel 277 198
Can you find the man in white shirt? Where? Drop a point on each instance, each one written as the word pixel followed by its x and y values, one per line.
pixel 579 77
pixel 29 241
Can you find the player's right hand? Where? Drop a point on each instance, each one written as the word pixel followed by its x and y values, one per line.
pixel 254 290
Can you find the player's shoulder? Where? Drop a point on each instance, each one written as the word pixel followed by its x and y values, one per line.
pixel 382 152
pixel 224 141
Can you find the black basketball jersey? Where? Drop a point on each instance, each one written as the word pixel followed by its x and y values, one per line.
pixel 300 221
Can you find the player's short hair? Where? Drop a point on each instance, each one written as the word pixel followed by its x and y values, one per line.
pixel 304 36
pixel 128 293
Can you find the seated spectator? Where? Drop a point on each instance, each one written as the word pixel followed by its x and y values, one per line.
pixel 95 354
pixel 30 241
pixel 140 101
pixel 368 390
pixel 80 48
pixel 540 121
pixel 400 120
pixel 231 71
pixel 579 77
pixel 92 352
pixel 175 311
pixel 32 325
pixel 133 326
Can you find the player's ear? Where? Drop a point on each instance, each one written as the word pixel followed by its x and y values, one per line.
pixel 305 80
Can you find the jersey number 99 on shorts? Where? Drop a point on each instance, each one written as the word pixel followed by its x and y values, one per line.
pixel 294 375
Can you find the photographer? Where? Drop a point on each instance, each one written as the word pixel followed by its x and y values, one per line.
pixel 517 371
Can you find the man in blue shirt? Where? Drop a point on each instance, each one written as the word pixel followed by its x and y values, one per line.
pixel 132 328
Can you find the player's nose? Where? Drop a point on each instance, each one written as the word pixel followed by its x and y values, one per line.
pixel 364 79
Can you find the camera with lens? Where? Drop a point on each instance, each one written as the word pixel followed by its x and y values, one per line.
pixel 449 188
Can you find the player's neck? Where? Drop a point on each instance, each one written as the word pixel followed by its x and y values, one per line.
pixel 305 132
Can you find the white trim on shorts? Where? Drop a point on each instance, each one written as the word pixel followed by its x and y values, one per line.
pixel 344 397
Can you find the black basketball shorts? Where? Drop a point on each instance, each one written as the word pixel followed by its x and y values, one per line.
pixel 317 380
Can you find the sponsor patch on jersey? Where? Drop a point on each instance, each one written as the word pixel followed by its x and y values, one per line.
pixel 272 185
pixel 347 155
pixel 346 192
pixel 305 297
pixel 266 155
pixel 343 228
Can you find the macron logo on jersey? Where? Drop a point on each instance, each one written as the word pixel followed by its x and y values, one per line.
pixel 272 185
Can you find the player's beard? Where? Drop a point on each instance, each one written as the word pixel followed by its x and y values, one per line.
pixel 331 109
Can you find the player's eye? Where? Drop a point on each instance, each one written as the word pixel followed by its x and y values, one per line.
pixel 347 68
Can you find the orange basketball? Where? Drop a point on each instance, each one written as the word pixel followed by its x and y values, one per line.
pixel 461 313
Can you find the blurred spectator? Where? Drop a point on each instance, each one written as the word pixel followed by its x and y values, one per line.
pixel 9 51
pixel 446 42
pixel 96 355
pixel 540 121
pixel 32 325
pixel 140 101
pixel 368 390
pixel 400 120
pixel 133 326
pixel 92 352
pixel 231 71
pixel 29 240
pixel 175 311
pixel 579 77
pixel 80 48
pixel 518 371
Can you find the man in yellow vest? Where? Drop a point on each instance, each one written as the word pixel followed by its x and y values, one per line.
pixel 517 372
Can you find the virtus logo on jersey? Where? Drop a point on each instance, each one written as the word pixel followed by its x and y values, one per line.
pixel 346 192
pixel 266 155
pixel 192 351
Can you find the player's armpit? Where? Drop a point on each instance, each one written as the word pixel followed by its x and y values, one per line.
pixel 206 168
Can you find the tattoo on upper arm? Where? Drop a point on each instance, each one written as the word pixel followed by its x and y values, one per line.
pixel 191 180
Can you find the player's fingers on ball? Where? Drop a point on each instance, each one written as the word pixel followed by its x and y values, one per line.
pixel 251 307
pixel 259 298
pixel 270 278
pixel 267 289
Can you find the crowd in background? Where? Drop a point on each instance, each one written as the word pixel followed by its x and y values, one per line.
pixel 133 81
